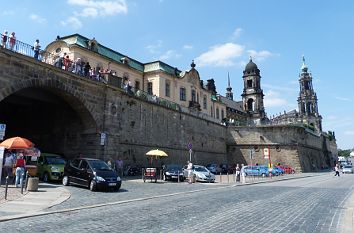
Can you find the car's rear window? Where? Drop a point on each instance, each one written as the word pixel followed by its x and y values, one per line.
pixel 348 166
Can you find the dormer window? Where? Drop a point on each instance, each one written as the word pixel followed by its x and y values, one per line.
pixel 125 60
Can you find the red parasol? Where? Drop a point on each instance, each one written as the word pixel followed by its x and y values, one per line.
pixel 17 143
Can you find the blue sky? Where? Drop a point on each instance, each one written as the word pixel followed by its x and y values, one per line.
pixel 220 36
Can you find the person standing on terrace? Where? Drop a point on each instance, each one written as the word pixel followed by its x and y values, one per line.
pixel 12 40
pixel 4 39
pixel 36 48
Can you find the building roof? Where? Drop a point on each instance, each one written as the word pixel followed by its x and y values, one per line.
pixel 79 40
pixel 232 104
pixel 251 66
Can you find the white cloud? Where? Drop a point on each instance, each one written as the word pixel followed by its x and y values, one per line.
pixel 155 48
pixel 220 55
pixel 72 22
pixel 103 8
pixel 187 46
pixel 343 99
pixel 280 88
pixel 237 33
pixel 88 12
pixel 169 54
pixel 260 55
pixel 37 18
pixel 272 99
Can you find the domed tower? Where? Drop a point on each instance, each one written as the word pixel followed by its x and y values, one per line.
pixel 307 101
pixel 252 95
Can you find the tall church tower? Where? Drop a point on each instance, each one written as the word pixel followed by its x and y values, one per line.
pixel 229 93
pixel 307 101
pixel 252 95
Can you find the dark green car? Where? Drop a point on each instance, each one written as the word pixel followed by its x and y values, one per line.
pixel 50 167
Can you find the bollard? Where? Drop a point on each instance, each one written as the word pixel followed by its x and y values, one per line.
pixel 220 178
pixel 23 176
pixel 142 173
pixel 178 176
pixel 26 180
pixel 6 186
pixel 228 179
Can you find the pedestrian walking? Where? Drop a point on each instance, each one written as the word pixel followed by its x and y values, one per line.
pixel 190 172
pixel 336 169
pixel 119 166
pixel 8 165
pixel 243 174
pixel 20 170
pixel 36 48
pixel 238 173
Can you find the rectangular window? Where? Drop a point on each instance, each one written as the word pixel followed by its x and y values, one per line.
pixel 222 114
pixel 217 113
pixel 149 88
pixel 167 89
pixel 182 94
pixel 193 96
pixel 205 102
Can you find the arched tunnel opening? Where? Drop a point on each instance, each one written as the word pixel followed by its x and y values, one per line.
pixel 47 118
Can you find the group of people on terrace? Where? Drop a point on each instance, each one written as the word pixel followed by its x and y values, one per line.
pixel 10 42
pixel 81 68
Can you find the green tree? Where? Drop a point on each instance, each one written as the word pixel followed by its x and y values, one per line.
pixel 344 153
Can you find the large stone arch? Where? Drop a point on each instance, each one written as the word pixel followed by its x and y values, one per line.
pixel 69 135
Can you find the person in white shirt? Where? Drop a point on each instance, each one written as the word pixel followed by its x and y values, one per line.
pixel 36 48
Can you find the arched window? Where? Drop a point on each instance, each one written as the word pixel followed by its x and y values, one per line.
pixel 217 113
pixel 222 114
pixel 250 104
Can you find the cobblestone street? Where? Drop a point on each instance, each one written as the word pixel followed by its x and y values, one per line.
pixel 313 204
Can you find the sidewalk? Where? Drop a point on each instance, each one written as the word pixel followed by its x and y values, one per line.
pixel 20 205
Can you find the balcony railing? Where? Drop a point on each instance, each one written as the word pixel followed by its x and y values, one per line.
pixel 107 78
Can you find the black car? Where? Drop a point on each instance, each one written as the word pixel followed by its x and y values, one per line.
pixel 173 171
pixel 92 173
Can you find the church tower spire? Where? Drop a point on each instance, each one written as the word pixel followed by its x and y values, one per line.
pixel 307 100
pixel 252 95
pixel 229 93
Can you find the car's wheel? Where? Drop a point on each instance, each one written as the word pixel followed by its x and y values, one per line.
pixel 66 181
pixel 93 185
pixel 46 177
pixel 116 189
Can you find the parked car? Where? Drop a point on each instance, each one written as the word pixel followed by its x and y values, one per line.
pixel 255 170
pixel 173 171
pixel 50 167
pixel 91 173
pixel 201 173
pixel 287 169
pixel 214 168
pixel 347 169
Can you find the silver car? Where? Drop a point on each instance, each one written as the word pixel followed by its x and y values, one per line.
pixel 347 169
pixel 201 173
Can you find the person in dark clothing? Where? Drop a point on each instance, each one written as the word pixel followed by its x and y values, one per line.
pixel 87 68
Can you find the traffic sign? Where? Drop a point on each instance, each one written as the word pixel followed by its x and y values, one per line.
pixel 2 131
pixel 266 153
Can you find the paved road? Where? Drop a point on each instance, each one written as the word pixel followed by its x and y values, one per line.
pixel 314 204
